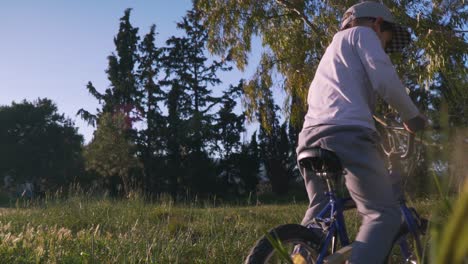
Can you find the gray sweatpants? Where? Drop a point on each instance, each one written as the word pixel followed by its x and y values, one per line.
pixel 368 183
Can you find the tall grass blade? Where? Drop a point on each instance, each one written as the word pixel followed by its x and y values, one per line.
pixel 280 249
pixel 444 197
pixel 452 246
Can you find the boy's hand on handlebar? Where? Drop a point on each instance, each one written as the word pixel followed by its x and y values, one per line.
pixel 415 124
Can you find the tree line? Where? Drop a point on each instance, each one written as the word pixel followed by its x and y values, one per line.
pixel 166 124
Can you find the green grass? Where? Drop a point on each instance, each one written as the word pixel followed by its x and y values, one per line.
pixel 83 230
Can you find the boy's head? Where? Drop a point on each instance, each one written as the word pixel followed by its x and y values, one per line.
pixel 377 16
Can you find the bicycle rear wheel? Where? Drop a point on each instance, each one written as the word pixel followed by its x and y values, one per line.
pixel 288 236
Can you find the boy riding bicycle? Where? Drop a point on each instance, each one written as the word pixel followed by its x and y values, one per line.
pixel 342 98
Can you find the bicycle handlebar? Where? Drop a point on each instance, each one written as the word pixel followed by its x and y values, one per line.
pixel 394 143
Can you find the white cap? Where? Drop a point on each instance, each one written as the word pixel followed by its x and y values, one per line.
pixel 400 37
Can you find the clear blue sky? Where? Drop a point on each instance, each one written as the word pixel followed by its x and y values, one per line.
pixel 52 48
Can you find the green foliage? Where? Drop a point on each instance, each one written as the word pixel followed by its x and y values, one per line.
pixel 292 48
pixel 111 153
pixel 39 143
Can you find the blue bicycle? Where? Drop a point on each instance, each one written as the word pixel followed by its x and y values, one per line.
pixel 322 247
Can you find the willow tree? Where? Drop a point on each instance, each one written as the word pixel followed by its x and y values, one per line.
pixel 295 33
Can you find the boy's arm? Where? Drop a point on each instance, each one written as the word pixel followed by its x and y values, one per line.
pixel 382 75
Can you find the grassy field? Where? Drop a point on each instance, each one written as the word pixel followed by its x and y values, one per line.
pixel 83 230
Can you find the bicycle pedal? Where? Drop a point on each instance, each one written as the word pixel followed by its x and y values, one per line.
pixel 298 259
pixel 300 255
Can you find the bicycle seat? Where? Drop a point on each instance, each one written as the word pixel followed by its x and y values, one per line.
pixel 320 161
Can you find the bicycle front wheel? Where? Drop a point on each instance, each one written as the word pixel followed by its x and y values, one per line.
pixel 407 248
pixel 285 238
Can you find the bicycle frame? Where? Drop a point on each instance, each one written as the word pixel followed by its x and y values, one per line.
pixel 332 218
pixel 335 223
pixel 413 230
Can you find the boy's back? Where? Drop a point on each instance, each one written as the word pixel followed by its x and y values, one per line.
pixel 353 69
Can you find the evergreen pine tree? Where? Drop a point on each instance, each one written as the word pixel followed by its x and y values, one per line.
pixel 190 102
pixel 123 97
pixel 272 144
pixel 229 127
pixel 249 165
pixel 123 94
pixel 151 140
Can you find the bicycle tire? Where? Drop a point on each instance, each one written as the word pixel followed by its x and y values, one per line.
pixel 292 234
